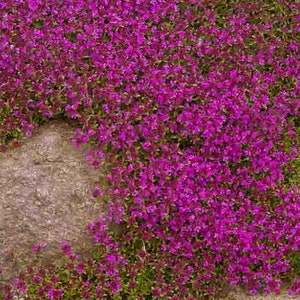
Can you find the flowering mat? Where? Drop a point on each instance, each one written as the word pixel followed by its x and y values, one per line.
pixel 190 113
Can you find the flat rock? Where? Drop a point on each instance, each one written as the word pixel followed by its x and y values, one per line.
pixel 237 293
pixel 46 196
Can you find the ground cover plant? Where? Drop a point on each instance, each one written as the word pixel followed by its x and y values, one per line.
pixel 195 104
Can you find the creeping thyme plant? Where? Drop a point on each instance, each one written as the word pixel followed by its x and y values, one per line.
pixel 195 107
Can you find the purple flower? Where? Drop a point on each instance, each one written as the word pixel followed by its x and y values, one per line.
pixel 80 268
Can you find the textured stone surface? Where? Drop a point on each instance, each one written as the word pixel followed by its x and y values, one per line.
pixel 45 196
pixel 240 294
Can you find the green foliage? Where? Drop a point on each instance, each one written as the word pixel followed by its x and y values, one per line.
pixel 38 23
pixel 294 259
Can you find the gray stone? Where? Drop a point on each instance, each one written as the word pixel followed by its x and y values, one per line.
pixel 46 196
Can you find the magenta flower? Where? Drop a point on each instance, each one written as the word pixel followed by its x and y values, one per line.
pixel 80 268
pixel 38 247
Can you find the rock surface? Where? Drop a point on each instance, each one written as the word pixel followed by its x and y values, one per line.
pixel 236 293
pixel 45 196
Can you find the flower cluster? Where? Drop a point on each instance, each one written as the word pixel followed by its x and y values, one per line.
pixel 195 105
